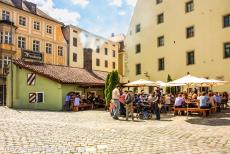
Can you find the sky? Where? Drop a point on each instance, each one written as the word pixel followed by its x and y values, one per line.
pixel 101 17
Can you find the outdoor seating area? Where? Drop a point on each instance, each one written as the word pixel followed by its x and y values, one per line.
pixel 196 100
pixel 76 102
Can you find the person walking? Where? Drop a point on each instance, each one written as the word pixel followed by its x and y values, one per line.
pixel 129 99
pixel 157 103
pixel 116 103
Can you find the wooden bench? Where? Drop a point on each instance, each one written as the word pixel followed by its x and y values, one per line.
pixel 192 110
pixel 83 107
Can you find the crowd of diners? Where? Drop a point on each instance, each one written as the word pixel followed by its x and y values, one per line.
pixel 73 100
pixel 146 103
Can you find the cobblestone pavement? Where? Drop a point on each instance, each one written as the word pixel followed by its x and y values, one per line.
pixel 96 132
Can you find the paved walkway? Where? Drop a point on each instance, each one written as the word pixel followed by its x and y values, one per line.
pixel 96 132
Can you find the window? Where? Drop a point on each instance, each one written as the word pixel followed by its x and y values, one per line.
pixel 138 28
pixel 97 62
pixel 5 15
pixel 74 57
pixel 98 49
pixel 189 6
pixel 48 48
pixel 138 48
pixel 36 46
pixel 8 38
pixel 138 69
pixel 227 50
pixel 40 97
pixel 190 58
pixel 114 65
pixel 1 37
pixel 22 21
pixel 106 63
pixel 106 51
pixel 75 41
pixel 190 32
pixel 159 1
pixel 60 51
pixel 21 42
pixel 36 25
pixel 49 29
pixel 160 18
pixel 161 64
pixel 160 41
pixel 227 21
pixel 114 53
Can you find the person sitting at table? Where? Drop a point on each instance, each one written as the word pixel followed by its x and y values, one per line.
pixel 76 102
pixel 204 101
pixel 211 101
pixel 217 99
pixel 179 101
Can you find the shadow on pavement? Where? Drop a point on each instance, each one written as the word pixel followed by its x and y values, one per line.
pixel 210 122
pixel 218 119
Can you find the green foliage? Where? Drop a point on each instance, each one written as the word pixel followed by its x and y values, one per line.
pixel 169 89
pixel 112 81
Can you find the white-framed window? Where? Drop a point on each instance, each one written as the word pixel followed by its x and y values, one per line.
pixel 60 51
pixel 36 25
pixel 8 38
pixel 22 21
pixel 5 15
pixel 21 42
pixel 36 46
pixel 49 29
pixel 48 48
pixel 37 97
pixel 40 97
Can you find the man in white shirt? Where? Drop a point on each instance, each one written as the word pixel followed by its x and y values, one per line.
pixel 115 101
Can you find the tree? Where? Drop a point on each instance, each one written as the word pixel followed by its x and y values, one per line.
pixel 112 81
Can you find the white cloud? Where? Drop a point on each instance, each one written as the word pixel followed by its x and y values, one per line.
pixel 63 15
pixel 83 3
pixel 131 2
pixel 122 13
pixel 116 3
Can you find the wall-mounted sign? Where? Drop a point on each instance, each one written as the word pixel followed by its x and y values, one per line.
pixel 30 55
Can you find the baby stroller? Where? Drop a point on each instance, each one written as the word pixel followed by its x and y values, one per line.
pixel 144 111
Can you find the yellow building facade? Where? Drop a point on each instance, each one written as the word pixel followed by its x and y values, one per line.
pixel 25 27
pixel 179 36
pixel 104 51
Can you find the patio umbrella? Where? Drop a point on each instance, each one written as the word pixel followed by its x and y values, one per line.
pixel 213 82
pixel 141 83
pixel 189 80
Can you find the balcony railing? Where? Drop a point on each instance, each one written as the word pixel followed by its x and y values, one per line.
pixel 8 22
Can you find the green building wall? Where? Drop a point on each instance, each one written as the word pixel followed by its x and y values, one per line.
pixel 54 92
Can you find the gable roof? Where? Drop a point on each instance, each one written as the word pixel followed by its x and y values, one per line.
pixel 64 74
pixel 25 7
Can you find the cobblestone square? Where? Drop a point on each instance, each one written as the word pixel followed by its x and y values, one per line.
pixel 96 132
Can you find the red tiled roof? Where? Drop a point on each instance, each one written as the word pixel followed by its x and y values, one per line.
pixel 64 74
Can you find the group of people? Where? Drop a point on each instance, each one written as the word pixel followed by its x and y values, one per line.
pixel 202 100
pixel 124 102
pixel 73 100
pixel 127 102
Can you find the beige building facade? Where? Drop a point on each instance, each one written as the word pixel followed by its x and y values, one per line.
pixel 179 36
pixel 104 52
pixel 26 29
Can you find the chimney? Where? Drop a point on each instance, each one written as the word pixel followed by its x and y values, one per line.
pixel 17 3
pixel 88 54
pixel 31 6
